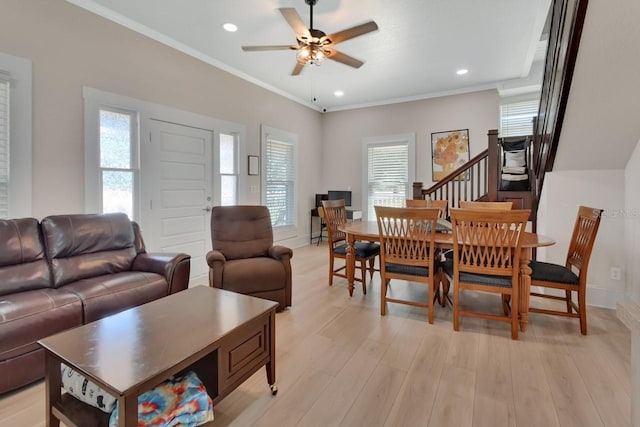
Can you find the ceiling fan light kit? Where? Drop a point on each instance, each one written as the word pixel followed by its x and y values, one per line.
pixel 314 46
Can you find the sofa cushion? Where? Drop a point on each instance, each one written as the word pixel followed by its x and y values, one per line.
pixel 109 294
pixel 22 263
pixel 25 317
pixel 240 275
pixel 84 246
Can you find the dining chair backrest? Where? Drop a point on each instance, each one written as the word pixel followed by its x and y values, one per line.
pixel 465 204
pixel 443 205
pixel 335 214
pixel 583 238
pixel 407 235
pixel 488 242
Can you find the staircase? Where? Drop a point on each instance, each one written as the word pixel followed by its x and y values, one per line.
pixel 479 179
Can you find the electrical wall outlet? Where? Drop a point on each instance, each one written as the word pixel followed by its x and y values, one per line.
pixel 616 273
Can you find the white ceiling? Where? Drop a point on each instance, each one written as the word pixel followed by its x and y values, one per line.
pixel 413 55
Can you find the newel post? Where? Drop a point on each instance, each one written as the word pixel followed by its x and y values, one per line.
pixel 417 190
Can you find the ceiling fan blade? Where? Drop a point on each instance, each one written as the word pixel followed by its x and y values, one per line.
pixel 344 59
pixel 352 32
pixel 297 69
pixel 260 48
pixel 294 20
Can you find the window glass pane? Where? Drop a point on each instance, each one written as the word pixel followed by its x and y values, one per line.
pixel 227 154
pixel 228 190
pixel 388 176
pixel 117 192
pixel 115 140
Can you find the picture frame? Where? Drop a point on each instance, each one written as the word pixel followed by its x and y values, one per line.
pixel 449 151
pixel 254 165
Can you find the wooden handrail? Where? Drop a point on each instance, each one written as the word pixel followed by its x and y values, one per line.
pixel 457 172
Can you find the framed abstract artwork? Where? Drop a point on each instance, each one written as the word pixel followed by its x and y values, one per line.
pixel 449 151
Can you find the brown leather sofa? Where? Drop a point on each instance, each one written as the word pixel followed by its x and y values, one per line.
pixel 244 259
pixel 69 270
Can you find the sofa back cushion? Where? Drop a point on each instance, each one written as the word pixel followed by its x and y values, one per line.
pixel 241 231
pixel 23 266
pixel 83 246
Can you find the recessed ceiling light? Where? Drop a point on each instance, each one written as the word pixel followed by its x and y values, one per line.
pixel 462 72
pixel 338 93
pixel 232 28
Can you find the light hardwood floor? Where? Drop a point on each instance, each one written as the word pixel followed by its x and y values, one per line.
pixel 340 363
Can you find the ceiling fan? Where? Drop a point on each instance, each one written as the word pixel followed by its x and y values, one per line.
pixel 314 46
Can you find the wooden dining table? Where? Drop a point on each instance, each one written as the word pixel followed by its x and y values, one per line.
pixel 368 231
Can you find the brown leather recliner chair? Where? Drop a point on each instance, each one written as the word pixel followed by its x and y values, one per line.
pixel 244 259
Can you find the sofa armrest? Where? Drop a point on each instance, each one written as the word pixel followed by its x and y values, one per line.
pixel 216 261
pixel 174 267
pixel 280 252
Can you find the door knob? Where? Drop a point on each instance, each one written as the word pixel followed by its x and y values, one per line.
pixel 207 209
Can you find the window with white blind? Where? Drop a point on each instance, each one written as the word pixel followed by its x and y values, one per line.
pixel 389 171
pixel 279 177
pixel 4 144
pixel 228 169
pixel 516 117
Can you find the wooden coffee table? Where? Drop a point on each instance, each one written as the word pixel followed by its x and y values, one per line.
pixel 223 336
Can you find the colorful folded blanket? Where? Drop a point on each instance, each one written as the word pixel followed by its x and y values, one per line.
pixel 180 401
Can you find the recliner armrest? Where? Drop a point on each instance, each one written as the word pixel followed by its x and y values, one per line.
pixel 280 252
pixel 216 261
pixel 174 267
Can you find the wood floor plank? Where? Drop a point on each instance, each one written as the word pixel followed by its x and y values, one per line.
pixel 339 395
pixel 374 402
pixel 414 402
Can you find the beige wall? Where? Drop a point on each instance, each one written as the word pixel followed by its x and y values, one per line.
pixel 632 224
pixel 344 130
pixel 562 194
pixel 71 48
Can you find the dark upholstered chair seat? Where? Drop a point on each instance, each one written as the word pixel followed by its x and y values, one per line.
pixel 478 279
pixel 240 275
pixel 363 249
pixel 409 270
pixel 547 272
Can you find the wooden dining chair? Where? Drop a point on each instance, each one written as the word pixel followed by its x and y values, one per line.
pixel 334 214
pixel 486 258
pixel 407 251
pixel 564 277
pixel 465 204
pixel 443 205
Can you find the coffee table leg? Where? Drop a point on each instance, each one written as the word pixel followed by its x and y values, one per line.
pixel 128 411
pixel 52 384
pixel 271 364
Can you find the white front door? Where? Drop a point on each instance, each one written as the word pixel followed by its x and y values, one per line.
pixel 176 183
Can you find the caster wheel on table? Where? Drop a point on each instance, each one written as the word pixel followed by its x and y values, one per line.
pixel 274 389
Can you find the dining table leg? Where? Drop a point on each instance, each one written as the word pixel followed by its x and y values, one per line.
pixel 525 288
pixel 351 261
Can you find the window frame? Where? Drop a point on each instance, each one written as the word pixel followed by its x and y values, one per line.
pixel 408 139
pixel 236 162
pixel 289 230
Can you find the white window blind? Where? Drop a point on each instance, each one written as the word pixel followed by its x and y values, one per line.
pixel 280 179
pixel 4 144
pixel 388 175
pixel 516 118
